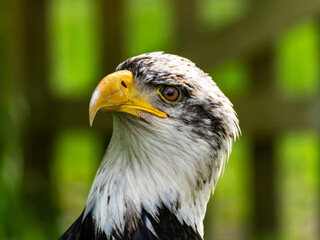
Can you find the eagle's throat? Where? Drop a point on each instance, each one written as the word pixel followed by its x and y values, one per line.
pixel 152 172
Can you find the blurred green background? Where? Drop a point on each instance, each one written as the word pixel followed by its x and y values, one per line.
pixel 263 54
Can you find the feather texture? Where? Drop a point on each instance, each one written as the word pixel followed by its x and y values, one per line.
pixel 166 227
pixel 158 173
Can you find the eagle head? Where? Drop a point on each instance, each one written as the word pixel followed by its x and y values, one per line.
pixel 173 130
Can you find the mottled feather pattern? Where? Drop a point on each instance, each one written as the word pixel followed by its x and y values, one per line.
pixel 165 227
pixel 158 173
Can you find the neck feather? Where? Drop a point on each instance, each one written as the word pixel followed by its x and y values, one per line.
pixel 151 165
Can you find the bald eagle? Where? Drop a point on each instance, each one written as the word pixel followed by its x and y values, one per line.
pixel 172 133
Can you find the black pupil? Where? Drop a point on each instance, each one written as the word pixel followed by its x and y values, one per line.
pixel 170 92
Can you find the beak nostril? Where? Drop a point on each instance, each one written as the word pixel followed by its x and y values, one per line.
pixel 123 84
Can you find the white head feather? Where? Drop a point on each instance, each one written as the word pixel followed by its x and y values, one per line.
pixel 164 161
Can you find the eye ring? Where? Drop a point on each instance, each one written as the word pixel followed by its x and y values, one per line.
pixel 169 93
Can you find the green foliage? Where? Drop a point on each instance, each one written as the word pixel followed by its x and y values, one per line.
pixel 298 185
pixel 11 162
pixel 230 207
pixel 74 46
pixel 148 26
pixel 298 60
pixel 216 14
pixel 76 158
pixel 232 78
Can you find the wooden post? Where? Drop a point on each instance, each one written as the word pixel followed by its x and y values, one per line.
pixel 186 24
pixel 111 18
pixel 38 191
pixel 318 130
pixel 264 171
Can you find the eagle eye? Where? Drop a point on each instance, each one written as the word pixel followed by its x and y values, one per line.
pixel 169 93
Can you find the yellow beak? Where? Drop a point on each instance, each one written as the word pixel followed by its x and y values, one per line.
pixel 116 92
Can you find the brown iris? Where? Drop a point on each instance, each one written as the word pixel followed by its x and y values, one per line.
pixel 169 93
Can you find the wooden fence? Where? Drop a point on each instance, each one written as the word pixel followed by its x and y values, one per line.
pixel 263 113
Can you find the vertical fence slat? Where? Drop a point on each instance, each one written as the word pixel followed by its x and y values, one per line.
pixel 186 23
pixel 264 197
pixel 111 19
pixel 38 135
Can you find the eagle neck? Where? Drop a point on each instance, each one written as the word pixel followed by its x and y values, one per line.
pixel 149 166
